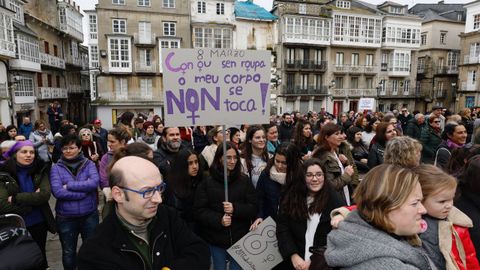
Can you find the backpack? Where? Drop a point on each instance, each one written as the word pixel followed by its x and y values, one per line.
pixel 18 250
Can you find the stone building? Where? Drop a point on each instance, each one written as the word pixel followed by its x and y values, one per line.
pixel 438 58
pixel 333 53
pixel 129 37
pixel 468 93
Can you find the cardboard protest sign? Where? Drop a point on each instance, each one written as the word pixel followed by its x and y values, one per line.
pixel 259 248
pixel 366 104
pixel 207 86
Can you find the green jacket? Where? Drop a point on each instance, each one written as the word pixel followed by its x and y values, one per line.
pixel 333 172
pixel 430 141
pixel 22 202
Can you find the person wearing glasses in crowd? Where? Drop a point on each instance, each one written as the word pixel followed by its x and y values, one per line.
pixel 142 233
pixel 74 180
pixel 431 138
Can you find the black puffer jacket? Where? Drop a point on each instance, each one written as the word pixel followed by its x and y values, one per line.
pixel 208 209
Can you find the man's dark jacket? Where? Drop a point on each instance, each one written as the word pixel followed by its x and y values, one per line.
pixel 172 243
pixel 285 131
pixel 413 129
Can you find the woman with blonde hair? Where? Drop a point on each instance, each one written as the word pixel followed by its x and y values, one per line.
pixel 90 148
pixel 403 151
pixel 382 233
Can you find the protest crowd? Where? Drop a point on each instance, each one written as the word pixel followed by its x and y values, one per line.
pixel 366 190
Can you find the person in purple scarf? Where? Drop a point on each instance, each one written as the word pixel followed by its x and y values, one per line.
pixel 25 190
pixel 454 136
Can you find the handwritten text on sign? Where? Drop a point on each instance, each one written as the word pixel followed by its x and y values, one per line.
pixel 215 86
pixel 258 249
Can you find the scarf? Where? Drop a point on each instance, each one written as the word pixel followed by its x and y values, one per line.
pixel 148 139
pixel 89 148
pixel 276 176
pixel 74 164
pixel 42 133
pixel 453 145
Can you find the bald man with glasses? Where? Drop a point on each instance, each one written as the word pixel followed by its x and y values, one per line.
pixel 142 233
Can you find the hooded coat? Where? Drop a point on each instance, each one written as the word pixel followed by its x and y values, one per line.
pixel 358 245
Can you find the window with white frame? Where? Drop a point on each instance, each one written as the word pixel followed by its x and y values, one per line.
pixel 143 3
pixel 440 89
pixel 396 10
pixel 421 64
pixel 475 49
pixel 304 81
pixel 302 8
pixel 201 7
pixel 27 48
pixel 118 2
pixel 307 28
pixel 406 86
pixel 339 59
pixel 318 57
pixel 452 59
pixel 318 81
pixel 357 29
pixel 443 37
pixel 472 77
pixel 423 39
pixel 369 82
pixel 290 56
pixel 355 59
pixel 6 30
pixel 121 88
pixel 354 82
pixel 369 60
pixel 394 87
pixel 343 4
pixel 169 29
pixel 92 23
pixel 401 61
pixel 145 32
pixel 220 8
pixel 119 26
pixel 24 87
pixel 145 57
pixel 212 37
pixel 146 88
pixel 119 53
pixel 168 3
pixel 94 61
pixel 74 48
pixel 402 35
pixel 476 22
pixel 17 6
pixel 339 82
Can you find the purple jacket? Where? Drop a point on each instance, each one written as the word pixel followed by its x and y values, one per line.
pixel 103 167
pixel 79 198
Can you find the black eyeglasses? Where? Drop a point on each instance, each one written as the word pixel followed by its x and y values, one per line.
pixel 437 122
pixel 147 194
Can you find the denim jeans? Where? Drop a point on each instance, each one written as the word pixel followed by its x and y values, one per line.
pixel 220 256
pixel 68 230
